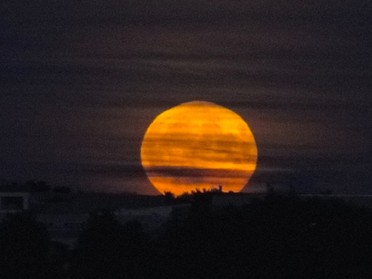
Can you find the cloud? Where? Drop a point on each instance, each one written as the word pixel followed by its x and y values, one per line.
pixel 81 81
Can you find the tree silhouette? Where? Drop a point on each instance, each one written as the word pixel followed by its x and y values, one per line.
pixel 169 197
pixel 280 237
pixel 107 249
pixel 37 186
pixel 62 189
pixel 24 248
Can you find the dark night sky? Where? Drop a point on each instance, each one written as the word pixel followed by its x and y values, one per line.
pixel 81 80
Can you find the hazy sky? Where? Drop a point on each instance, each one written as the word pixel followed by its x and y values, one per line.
pixel 80 81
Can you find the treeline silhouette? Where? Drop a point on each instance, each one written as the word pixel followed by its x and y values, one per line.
pixel 278 237
pixel 33 186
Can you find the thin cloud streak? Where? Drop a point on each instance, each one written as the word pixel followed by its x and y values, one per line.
pixel 82 81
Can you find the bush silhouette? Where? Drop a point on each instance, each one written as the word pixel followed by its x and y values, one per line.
pixel 107 249
pixel 24 248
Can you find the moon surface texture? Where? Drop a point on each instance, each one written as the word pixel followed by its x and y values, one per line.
pixel 198 145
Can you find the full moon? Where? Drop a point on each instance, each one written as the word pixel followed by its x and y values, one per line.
pixel 198 145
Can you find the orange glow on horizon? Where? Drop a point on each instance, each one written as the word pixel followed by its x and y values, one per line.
pixel 198 145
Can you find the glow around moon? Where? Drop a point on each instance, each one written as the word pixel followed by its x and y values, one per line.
pixel 198 145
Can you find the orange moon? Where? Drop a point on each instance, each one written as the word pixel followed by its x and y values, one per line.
pixel 198 145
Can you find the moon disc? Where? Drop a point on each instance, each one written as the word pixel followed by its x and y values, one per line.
pixel 198 145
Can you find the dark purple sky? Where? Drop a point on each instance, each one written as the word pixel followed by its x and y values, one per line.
pixel 81 80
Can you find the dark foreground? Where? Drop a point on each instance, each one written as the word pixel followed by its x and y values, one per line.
pixel 279 237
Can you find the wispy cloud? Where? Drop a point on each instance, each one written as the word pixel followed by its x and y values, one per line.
pixel 81 81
